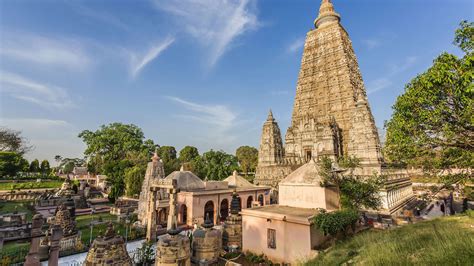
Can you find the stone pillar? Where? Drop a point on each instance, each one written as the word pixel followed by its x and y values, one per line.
pixel 32 259
pixel 56 235
pixel 173 195
pixel 151 223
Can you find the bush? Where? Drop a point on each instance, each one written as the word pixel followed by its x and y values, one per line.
pixel 331 223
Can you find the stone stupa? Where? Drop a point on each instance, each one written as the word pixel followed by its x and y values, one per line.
pixel 232 236
pixel 109 249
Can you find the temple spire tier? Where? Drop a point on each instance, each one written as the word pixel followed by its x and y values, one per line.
pixel 326 14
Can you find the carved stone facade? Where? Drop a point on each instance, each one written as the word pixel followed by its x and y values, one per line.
pixel 331 115
pixel 154 171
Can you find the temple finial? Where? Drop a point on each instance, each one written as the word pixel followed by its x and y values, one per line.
pixel 326 13
pixel 270 116
pixel 155 157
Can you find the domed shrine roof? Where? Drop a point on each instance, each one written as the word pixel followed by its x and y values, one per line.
pixel 187 181
pixel 236 180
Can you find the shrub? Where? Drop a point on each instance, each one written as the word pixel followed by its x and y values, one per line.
pixel 331 223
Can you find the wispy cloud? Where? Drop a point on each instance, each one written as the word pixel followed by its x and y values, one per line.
pixel 405 65
pixel 217 123
pixel 394 69
pixel 139 62
pixel 101 16
pixel 214 23
pixel 378 84
pixel 44 51
pixel 44 95
pixel 219 115
pixel 371 43
pixel 296 45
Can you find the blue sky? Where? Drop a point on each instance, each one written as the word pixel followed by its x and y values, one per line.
pixel 194 72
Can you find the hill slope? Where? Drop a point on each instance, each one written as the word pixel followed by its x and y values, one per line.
pixel 442 241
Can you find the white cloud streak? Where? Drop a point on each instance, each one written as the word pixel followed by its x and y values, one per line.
pixel 101 16
pixel 296 45
pixel 394 69
pixel 214 23
pixel 371 43
pixel 44 95
pixel 140 62
pixel 44 51
pixel 218 115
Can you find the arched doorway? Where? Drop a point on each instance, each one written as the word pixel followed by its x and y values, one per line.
pixel 260 199
pixel 209 210
pixel 224 209
pixel 184 214
pixel 249 202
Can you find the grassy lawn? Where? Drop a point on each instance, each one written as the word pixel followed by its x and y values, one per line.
pixel 83 225
pixel 443 241
pixel 20 206
pixel 30 185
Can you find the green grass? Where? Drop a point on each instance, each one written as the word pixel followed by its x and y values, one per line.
pixel 30 185
pixel 83 225
pixel 443 241
pixel 20 206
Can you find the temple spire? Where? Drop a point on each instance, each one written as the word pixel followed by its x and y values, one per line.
pixel 270 116
pixel 326 13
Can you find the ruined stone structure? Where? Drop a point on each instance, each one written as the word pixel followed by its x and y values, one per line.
pixel 64 219
pixel 66 189
pixel 109 249
pixel 207 244
pixel 172 249
pixel 331 115
pixel 232 235
pixel 154 172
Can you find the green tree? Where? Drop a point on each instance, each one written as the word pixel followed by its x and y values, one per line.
pixel 432 125
pixel 114 148
pixel 68 167
pixel 355 193
pixel 45 168
pixel 133 180
pixel 24 165
pixel 188 154
pixel 34 166
pixel 248 158
pixel 215 165
pixel 10 163
pixel 168 156
pixel 11 140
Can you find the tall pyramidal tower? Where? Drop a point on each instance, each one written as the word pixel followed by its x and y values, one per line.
pixel 331 102
pixel 331 116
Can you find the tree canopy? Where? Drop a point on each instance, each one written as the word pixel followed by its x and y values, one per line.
pixel 11 140
pixel 248 158
pixel 11 163
pixel 355 193
pixel 188 154
pixel 34 166
pixel 215 165
pixel 45 167
pixel 170 161
pixel 432 125
pixel 114 148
